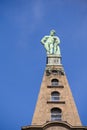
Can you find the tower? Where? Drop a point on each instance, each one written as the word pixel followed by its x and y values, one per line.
pixel 55 108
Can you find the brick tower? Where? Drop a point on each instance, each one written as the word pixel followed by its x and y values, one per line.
pixel 55 108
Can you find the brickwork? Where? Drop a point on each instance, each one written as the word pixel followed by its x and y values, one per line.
pixel 42 112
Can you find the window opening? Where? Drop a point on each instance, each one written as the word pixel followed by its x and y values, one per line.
pixel 55 96
pixel 54 82
pixel 56 114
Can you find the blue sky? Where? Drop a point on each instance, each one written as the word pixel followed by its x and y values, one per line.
pixel 23 59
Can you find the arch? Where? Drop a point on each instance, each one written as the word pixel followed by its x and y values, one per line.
pixel 56 114
pixel 55 96
pixel 54 82
pixel 58 123
pixel 54 71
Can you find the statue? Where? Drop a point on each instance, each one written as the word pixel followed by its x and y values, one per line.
pixel 51 44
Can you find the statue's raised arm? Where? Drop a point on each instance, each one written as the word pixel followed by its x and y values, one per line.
pixel 51 43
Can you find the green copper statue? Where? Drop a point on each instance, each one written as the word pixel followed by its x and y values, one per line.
pixel 51 44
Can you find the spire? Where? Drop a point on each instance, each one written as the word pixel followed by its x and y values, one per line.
pixel 55 107
pixel 55 101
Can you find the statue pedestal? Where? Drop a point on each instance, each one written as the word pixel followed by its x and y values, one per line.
pixel 53 60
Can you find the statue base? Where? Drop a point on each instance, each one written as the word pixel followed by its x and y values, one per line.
pixel 53 60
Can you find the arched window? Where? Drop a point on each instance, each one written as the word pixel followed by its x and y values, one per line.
pixel 56 114
pixel 55 96
pixel 54 82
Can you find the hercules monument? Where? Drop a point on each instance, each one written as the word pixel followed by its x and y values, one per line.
pixel 55 108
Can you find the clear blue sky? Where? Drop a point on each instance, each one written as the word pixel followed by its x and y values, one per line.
pixel 22 58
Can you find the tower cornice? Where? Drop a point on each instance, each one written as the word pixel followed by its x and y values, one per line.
pixel 62 124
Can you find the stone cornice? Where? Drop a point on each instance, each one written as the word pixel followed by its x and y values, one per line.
pixel 54 123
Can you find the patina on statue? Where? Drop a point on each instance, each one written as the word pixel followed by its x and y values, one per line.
pixel 51 44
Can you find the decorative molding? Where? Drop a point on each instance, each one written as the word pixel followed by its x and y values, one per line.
pixel 56 102
pixel 54 72
pixel 49 124
pixel 51 86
